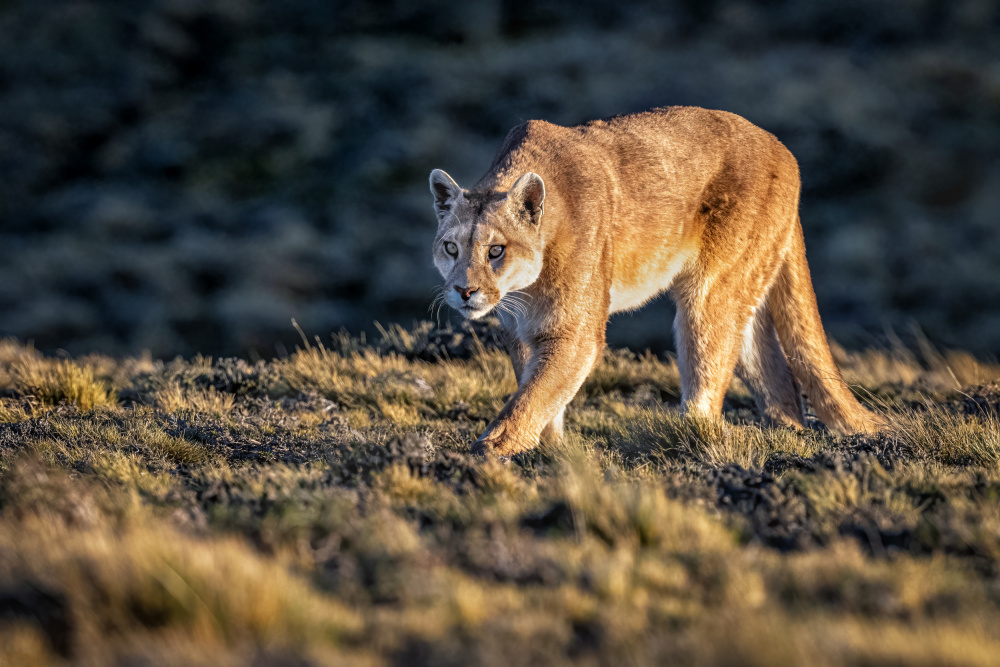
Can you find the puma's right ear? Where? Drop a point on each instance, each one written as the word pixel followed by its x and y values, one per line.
pixel 527 194
pixel 446 192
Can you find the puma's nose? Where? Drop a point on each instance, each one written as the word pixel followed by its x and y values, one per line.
pixel 466 292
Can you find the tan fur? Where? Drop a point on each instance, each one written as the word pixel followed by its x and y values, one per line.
pixel 602 217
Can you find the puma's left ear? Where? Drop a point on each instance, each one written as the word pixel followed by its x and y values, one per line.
pixel 526 196
pixel 446 192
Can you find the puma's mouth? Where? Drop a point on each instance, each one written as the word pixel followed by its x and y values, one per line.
pixel 472 312
pixel 473 308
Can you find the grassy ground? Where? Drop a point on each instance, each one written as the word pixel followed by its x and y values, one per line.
pixel 323 509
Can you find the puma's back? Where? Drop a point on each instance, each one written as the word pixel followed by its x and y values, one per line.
pixel 656 183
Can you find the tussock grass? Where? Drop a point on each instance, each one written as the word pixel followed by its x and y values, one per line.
pixel 866 501
pixel 668 433
pixel 631 513
pixel 174 399
pixel 952 437
pixel 15 411
pixel 401 487
pixel 888 373
pixel 54 382
pixel 323 509
pixel 153 582
pixel 399 390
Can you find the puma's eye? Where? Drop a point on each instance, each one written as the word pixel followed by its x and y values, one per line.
pixel 451 248
pixel 496 251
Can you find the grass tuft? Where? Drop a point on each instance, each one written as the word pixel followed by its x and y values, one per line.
pixel 952 437
pixel 670 434
pixel 56 382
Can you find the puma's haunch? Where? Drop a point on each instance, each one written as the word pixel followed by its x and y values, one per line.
pixel 572 224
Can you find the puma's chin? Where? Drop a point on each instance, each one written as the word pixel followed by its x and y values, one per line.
pixel 471 312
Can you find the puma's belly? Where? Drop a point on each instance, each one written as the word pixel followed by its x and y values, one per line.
pixel 633 286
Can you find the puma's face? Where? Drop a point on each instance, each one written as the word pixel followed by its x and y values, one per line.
pixel 487 244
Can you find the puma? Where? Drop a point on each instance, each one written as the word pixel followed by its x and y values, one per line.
pixel 572 224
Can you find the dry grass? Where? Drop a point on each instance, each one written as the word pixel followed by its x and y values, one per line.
pixel 322 509
pixel 174 399
pixel 399 390
pixel 53 381
pixel 898 371
pixel 952 437
pixel 134 575
pixel 716 443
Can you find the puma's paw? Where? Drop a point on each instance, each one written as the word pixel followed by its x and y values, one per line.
pixel 499 442
pixel 480 448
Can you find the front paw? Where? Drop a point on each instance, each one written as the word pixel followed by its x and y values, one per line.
pixel 481 448
pixel 501 442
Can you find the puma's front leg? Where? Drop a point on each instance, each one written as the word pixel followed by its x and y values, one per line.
pixel 557 366
pixel 553 431
pixel 520 355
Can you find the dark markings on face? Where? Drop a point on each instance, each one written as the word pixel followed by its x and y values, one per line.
pixel 482 202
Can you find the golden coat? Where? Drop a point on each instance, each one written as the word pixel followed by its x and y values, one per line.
pixel 600 218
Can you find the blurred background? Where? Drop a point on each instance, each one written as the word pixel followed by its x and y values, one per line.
pixel 186 176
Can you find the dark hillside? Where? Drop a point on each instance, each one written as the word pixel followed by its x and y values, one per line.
pixel 187 176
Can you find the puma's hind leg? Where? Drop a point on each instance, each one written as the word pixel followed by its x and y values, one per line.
pixel 707 349
pixel 764 369
pixel 713 325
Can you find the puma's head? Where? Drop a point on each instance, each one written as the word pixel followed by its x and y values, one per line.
pixel 487 243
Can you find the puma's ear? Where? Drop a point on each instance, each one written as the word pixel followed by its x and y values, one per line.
pixel 526 195
pixel 445 190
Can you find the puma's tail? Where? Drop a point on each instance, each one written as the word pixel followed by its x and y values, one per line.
pixel 800 330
